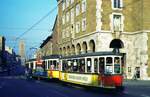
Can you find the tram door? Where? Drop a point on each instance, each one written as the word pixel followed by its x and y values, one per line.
pixel 101 65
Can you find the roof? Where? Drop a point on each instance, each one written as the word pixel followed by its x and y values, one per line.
pixel 46 41
pixel 51 57
pixel 46 57
pixel 55 23
pixel 93 54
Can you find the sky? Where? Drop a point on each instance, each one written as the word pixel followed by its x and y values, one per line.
pixel 16 16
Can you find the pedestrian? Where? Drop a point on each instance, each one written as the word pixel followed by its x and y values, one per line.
pixel 30 73
pixel 27 72
pixel 135 75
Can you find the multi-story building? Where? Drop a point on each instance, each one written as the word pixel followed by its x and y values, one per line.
pixel 91 25
pixel 46 46
pixel 50 44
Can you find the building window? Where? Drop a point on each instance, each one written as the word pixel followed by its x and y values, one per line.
pixel 72 28
pixel 63 20
pixel 83 5
pixel 72 15
pixel 77 9
pixel 83 24
pixel 67 17
pixel 63 5
pixel 117 23
pixel 77 27
pixel 67 3
pixel 72 1
pixel 117 4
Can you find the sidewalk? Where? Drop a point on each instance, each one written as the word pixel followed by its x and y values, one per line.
pixel 136 82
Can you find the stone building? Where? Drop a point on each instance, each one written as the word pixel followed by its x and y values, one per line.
pixel 50 44
pixel 90 26
pixel 46 47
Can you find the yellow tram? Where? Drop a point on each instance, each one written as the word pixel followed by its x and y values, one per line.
pixel 102 69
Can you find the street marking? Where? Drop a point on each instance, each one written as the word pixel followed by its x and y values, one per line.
pixel 145 95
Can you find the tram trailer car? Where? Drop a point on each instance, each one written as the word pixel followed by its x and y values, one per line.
pixel 48 69
pixel 101 69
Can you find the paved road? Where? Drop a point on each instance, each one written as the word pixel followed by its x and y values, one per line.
pixel 19 87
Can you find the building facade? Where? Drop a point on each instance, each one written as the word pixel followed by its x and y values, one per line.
pixel 90 26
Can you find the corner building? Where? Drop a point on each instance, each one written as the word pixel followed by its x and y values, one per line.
pixel 86 26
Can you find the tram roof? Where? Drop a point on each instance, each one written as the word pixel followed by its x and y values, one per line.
pixel 92 54
pixel 51 57
pixel 46 57
pixel 31 60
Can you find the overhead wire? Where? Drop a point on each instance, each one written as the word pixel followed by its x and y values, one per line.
pixel 45 16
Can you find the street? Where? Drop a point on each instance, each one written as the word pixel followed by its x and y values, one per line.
pixel 21 87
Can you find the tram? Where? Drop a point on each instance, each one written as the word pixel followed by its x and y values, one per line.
pixel 99 69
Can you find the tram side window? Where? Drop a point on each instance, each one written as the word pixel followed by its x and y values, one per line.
pixel 55 64
pixel 109 66
pixel 48 64
pixel 82 65
pixel 95 65
pixel 75 65
pixel 64 65
pixel 101 65
pixel 70 68
pixel 89 64
pixel 51 67
pixel 117 68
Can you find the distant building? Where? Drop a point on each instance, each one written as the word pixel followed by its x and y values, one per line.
pixel 2 49
pixel 22 48
pixel 22 51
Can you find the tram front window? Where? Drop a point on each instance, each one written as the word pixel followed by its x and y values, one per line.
pixel 109 66
pixel 117 67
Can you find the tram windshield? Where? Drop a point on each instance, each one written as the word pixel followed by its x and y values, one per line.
pixel 109 66
pixel 113 65
pixel 117 65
